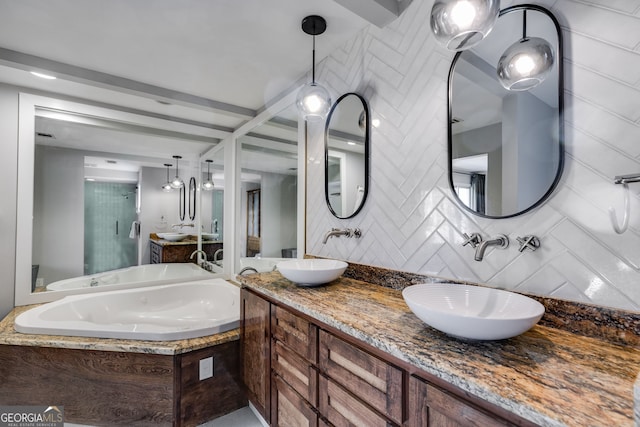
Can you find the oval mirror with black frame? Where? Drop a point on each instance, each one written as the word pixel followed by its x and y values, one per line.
pixel 346 153
pixel 506 146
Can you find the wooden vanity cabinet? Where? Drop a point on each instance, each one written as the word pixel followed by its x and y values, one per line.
pixel 429 405
pixel 256 350
pixel 300 373
pixel 373 380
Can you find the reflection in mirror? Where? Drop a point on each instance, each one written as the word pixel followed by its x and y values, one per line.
pixel 347 155
pixel 269 192
pixel 91 179
pixel 505 147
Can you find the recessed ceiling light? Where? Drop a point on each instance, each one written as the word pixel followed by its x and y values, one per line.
pixel 375 123
pixel 43 76
pixel 351 143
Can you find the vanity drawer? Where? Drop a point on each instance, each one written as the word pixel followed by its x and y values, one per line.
pixel 295 333
pixel 290 409
pixel 343 409
pixel 295 371
pixel 373 380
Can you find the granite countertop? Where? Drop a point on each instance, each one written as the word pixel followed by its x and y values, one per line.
pixel 8 336
pixel 546 375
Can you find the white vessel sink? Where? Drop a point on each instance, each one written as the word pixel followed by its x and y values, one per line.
pixel 172 237
pixel 210 236
pixel 312 272
pixel 473 312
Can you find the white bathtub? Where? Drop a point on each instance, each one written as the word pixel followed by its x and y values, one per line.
pixel 155 313
pixel 142 275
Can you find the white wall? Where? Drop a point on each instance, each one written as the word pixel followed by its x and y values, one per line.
pixel 9 178
pixel 411 220
pixel 58 208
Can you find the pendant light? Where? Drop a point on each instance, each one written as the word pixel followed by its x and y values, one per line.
pixel 461 24
pixel 177 182
pixel 526 63
pixel 166 187
pixel 208 184
pixel 313 100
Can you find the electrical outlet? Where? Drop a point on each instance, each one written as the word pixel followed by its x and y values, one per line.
pixel 206 368
pixel 39 282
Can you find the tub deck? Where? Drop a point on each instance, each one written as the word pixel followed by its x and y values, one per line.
pixel 121 382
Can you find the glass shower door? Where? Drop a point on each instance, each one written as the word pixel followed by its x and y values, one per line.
pixel 110 212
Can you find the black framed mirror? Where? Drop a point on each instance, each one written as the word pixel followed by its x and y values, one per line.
pixel 346 154
pixel 506 149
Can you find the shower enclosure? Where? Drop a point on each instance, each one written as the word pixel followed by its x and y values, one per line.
pixel 110 238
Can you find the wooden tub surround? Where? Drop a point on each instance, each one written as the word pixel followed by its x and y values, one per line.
pixel 121 382
pixel 352 353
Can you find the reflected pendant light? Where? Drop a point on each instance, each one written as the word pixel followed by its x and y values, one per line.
pixel 526 63
pixel 208 184
pixel 166 187
pixel 461 24
pixel 313 100
pixel 177 182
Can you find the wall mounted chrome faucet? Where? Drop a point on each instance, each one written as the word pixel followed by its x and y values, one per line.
pixel 475 240
pixel 529 242
pixel 501 241
pixel 348 232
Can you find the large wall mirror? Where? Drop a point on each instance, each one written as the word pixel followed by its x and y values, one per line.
pixel 347 155
pixel 505 146
pixel 85 175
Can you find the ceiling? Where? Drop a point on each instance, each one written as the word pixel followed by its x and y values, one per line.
pixel 210 63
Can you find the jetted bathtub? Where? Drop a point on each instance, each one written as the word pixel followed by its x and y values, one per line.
pixel 156 313
pixel 142 275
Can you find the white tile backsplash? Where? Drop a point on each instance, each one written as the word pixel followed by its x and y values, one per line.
pixel 412 222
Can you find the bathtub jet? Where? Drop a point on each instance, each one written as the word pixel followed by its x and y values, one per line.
pixel 155 313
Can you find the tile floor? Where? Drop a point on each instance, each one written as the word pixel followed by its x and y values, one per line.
pixel 243 417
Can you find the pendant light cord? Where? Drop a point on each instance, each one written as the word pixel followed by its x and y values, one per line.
pixel 313 60
pixel 524 24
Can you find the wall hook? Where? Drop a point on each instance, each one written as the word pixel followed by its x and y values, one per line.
pixel 625 216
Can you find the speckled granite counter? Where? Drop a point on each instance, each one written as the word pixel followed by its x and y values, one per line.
pixel 8 336
pixel 547 375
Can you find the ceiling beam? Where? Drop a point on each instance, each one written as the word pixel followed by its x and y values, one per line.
pixel 378 12
pixel 23 61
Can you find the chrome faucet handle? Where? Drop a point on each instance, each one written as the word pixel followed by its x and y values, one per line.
pixel 528 242
pixel 355 233
pixel 474 240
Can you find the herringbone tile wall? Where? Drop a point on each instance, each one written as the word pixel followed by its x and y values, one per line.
pixel 411 221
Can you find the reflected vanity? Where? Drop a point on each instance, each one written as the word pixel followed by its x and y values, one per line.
pixel 347 155
pixel 505 147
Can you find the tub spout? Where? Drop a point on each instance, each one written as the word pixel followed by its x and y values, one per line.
pixel 247 269
pixel 500 241
pixel 204 255
pixel 217 260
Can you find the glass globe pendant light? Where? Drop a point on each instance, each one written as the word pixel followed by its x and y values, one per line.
pixel 177 182
pixel 461 24
pixel 166 187
pixel 208 184
pixel 526 63
pixel 313 101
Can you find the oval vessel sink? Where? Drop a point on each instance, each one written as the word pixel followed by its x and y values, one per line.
pixel 312 272
pixel 172 237
pixel 473 312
